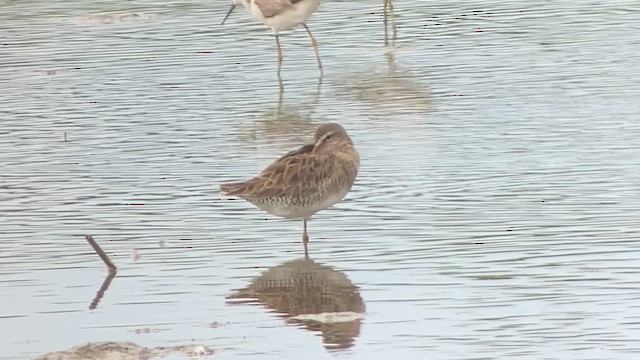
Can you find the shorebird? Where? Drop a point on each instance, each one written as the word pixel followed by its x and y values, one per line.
pixel 304 181
pixel 282 15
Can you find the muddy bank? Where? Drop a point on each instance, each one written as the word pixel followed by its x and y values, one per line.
pixel 126 351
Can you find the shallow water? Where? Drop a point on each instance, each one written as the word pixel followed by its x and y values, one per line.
pixel 496 213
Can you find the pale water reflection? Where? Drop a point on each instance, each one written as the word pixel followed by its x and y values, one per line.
pixel 287 124
pixel 316 297
pixel 388 91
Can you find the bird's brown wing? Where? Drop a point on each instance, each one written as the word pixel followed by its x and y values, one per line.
pixel 302 150
pixel 294 174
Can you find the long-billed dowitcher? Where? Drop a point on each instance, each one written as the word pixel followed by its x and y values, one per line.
pixel 304 181
pixel 282 15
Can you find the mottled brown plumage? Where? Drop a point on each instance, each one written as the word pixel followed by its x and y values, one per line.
pixel 304 181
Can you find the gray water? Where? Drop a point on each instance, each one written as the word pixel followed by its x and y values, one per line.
pixel 496 213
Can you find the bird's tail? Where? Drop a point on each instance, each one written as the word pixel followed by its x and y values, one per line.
pixel 232 189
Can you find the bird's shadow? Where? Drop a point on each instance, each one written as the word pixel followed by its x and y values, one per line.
pixel 308 295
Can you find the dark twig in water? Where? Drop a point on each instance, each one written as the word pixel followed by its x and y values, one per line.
pixel 65 136
pixel 101 253
pixel 110 266
pixel 103 289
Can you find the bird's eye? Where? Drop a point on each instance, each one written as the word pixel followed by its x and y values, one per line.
pixel 327 137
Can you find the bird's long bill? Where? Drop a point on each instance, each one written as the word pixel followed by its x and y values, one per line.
pixel 233 6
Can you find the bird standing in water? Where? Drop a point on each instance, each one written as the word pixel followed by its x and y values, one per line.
pixel 282 15
pixel 306 180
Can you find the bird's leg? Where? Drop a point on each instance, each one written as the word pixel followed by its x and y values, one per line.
pixel 314 45
pixel 280 93
pixel 279 53
pixel 384 21
pixel 305 238
pixel 388 12
pixel 393 19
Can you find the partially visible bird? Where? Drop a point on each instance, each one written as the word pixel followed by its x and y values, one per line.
pixel 282 15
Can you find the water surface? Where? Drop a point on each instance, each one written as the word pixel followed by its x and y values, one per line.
pixel 495 215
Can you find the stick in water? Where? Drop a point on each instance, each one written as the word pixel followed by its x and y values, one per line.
pixel 100 252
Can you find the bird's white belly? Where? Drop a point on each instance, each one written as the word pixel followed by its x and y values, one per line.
pixel 293 211
pixel 298 14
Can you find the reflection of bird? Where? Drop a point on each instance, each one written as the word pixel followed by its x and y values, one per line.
pixel 286 123
pixel 306 180
pixel 388 15
pixel 315 296
pixel 391 92
pixel 282 15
